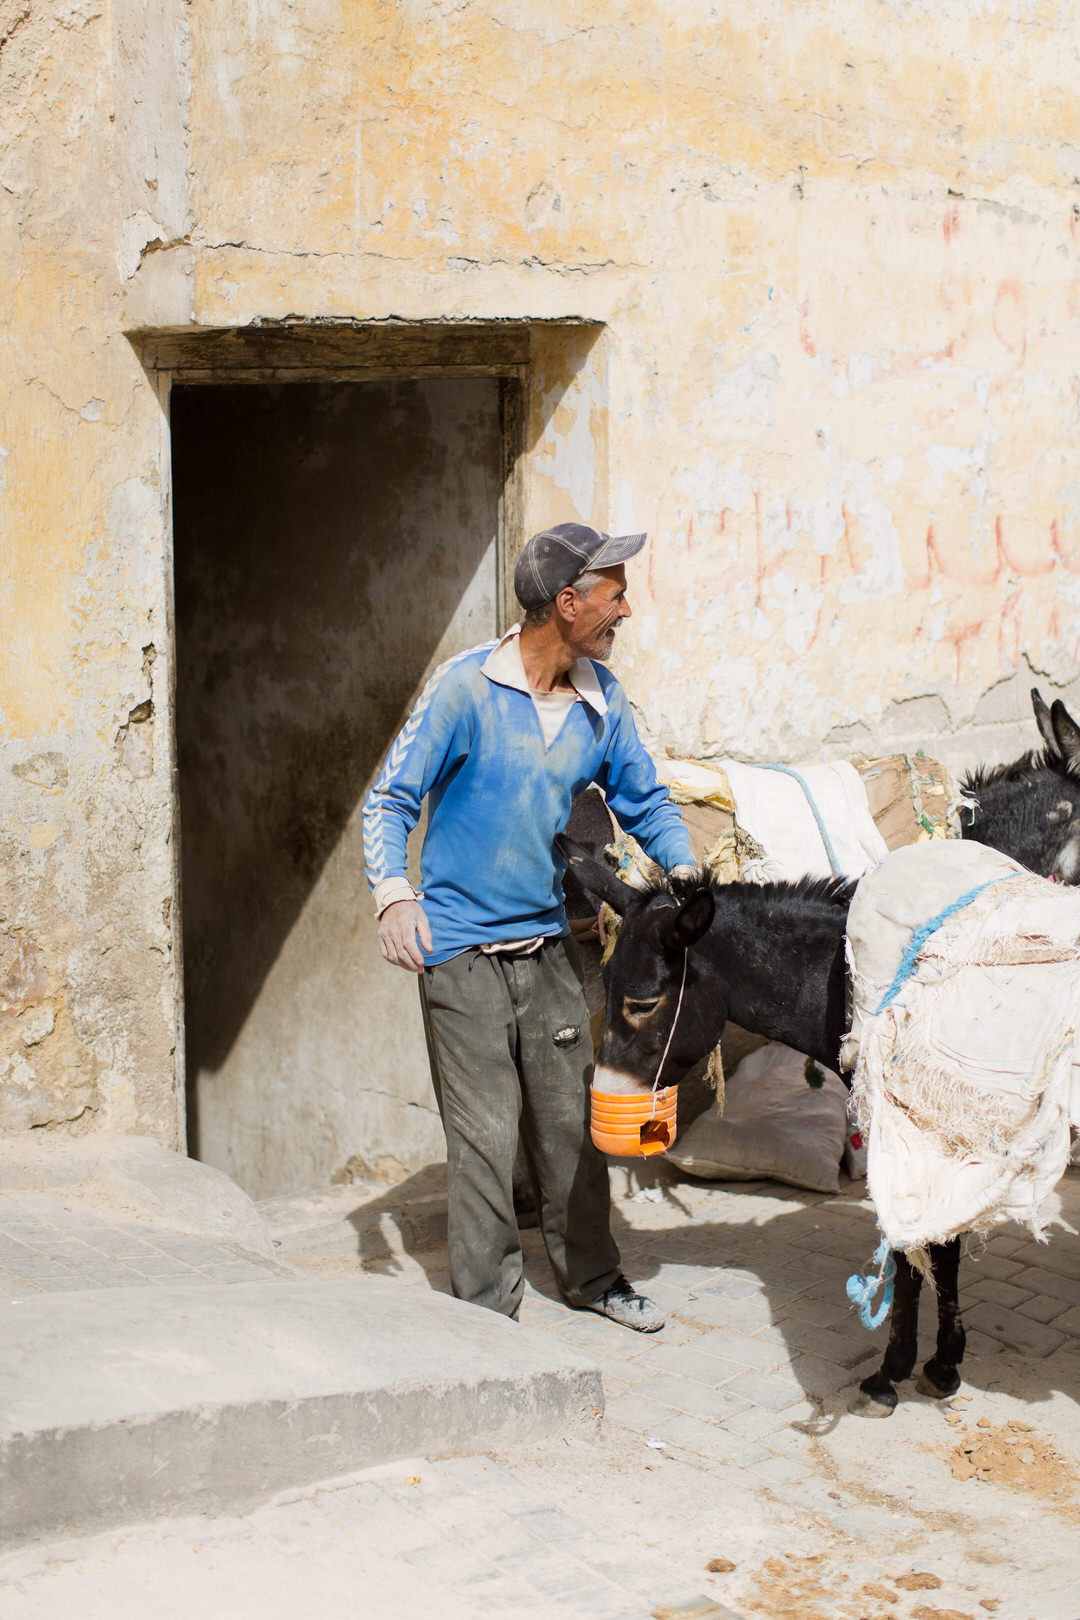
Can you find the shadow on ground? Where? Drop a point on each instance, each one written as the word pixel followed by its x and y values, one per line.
pixel 792 1249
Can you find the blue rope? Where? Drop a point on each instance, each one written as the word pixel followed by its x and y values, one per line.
pixel 837 869
pixel 861 1290
pixel 921 935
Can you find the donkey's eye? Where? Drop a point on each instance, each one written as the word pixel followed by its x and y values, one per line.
pixel 636 1012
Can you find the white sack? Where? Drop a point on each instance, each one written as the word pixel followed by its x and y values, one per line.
pixel 964 1078
pixel 774 809
pixel 773 1126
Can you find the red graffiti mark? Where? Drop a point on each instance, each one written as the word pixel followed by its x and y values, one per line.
pixel 1066 555
pixel 958 635
pixel 722 522
pixel 809 347
pixel 787 514
pixel 848 544
pixel 1055 542
pixel 1003 562
pixel 760 571
pixel 1045 566
pixel 1008 312
pixel 817 625
pixel 937 564
pixel 690 533
pixel 950 225
pixel 1009 629
pixel 1055 621
pixel 920 582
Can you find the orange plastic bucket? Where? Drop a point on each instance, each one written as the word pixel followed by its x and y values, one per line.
pixel 634 1126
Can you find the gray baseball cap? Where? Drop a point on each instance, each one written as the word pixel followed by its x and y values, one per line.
pixel 555 557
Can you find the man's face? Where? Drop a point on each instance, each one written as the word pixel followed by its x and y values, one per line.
pixel 598 615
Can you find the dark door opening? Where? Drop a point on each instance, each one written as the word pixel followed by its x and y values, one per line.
pixel 334 542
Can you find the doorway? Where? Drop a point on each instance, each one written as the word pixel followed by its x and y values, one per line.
pixel 333 543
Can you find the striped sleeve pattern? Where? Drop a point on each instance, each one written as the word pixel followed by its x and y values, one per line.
pixel 392 808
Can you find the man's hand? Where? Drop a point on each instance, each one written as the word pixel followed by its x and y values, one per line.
pixel 398 928
pixel 684 879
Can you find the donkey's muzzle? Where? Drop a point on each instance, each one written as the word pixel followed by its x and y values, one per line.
pixel 634 1125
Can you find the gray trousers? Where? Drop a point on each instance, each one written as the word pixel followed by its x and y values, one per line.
pixel 510 1050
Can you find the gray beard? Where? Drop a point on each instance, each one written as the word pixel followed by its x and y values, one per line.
pixel 605 656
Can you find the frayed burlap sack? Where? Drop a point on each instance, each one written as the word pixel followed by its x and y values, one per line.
pixel 775 1125
pixel 911 798
pixel 966 1007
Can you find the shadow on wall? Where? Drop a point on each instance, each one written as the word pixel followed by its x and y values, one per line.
pixel 325 536
pixel 563 360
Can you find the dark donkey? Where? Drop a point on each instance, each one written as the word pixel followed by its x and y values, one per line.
pixel 1031 808
pixel 770 957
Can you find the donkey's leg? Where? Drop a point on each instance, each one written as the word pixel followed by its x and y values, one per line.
pixel 879 1397
pixel 940 1376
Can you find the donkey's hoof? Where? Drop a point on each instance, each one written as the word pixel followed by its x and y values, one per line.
pixel 873 1405
pixel 938 1382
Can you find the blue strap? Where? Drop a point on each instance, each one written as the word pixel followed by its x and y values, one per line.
pixel 786 770
pixel 921 935
pixel 861 1290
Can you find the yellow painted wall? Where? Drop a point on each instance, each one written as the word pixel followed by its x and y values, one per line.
pixel 835 251
pixel 831 257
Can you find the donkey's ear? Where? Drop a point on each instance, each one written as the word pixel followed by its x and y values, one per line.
pixel 690 921
pixel 1067 735
pixel 598 879
pixel 1043 720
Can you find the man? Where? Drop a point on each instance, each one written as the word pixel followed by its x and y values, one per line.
pixel 502 738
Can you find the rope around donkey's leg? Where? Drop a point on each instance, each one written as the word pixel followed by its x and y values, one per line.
pixel 861 1289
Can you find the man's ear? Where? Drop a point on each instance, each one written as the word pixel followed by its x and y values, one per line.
pixel 684 927
pixel 566 602
pixel 597 879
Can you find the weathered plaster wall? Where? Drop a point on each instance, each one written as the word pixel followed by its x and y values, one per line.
pixel 835 250
pixel 93 172
pixel 829 255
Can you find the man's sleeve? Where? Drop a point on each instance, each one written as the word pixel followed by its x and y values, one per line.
pixel 640 803
pixel 434 735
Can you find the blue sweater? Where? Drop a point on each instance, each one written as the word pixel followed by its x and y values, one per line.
pixel 497 797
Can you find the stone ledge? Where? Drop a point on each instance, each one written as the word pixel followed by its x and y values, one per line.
pixel 121 1406
pixel 135 1176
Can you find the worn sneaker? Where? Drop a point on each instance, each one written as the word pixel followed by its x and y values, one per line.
pixel 620 1303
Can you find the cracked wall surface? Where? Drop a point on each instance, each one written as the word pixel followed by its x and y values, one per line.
pixel 827 261
pixel 93 166
pixel 835 251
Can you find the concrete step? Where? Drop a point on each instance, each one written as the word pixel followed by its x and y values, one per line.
pixel 119 1406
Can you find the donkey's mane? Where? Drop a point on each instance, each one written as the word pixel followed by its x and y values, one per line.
pixel 983 776
pixel 830 891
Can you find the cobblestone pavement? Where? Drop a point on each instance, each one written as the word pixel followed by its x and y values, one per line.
pixel 728 1474
pixel 749 1384
pixel 51 1245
